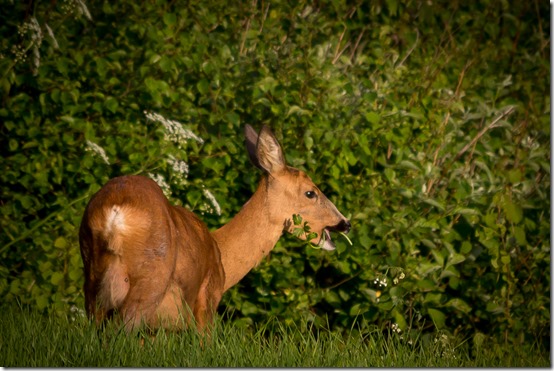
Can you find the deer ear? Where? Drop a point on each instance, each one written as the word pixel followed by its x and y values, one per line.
pixel 251 141
pixel 269 152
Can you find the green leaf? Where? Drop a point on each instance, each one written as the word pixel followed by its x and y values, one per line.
pixel 203 86
pixel 514 176
pixel 399 319
pixel 170 19
pixel 42 302
pixel 386 305
pixel 75 274
pixel 449 271
pixel 438 318
pixel 427 284
pixel 433 297
pixel 434 203
pixel 154 58
pixel 408 165
pixel 297 110
pixel 101 67
pixel 430 244
pixel 372 117
pixel 332 298
pixel 13 144
pixel 494 308
pixel 425 268
pixel 466 247
pixel 465 211
pixel 111 104
pixel 56 278
pixel 357 309
pixel 519 234
pixel 459 304
pixel 456 259
pixel 267 84
pixel 513 212
pixel 308 141
pixel 60 243
pixel 233 118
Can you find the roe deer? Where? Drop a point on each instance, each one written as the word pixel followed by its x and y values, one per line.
pixel 155 263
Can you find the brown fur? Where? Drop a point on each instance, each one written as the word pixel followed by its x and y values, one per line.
pixel 156 263
pixel 148 260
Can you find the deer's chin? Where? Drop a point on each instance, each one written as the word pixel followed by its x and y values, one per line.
pixel 326 243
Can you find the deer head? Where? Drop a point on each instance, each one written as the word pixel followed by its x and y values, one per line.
pixel 290 191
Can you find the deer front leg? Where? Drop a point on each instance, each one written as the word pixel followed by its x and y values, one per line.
pixel 207 299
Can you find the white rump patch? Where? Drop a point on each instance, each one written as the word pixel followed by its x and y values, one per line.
pixel 115 229
pixel 115 220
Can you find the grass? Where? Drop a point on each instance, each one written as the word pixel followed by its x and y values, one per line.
pixel 30 339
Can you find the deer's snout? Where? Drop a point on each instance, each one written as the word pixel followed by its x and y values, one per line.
pixel 344 226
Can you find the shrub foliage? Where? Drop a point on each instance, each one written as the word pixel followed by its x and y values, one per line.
pixel 427 123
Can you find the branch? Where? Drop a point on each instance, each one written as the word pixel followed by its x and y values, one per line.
pixel 30 231
pixel 447 167
pixel 409 51
pixel 492 125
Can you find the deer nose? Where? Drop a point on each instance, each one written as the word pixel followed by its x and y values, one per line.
pixel 343 226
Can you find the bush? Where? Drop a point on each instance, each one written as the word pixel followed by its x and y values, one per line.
pixel 427 124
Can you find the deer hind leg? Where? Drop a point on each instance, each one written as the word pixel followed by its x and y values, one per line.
pixel 113 288
pixel 106 285
pixel 146 293
pixel 94 309
pixel 173 313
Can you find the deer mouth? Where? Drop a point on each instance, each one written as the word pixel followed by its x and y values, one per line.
pixel 326 242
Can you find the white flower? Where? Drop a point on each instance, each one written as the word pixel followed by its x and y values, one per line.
pixel 91 146
pixel 37 34
pixel 68 6
pixel 212 200
pixel 396 280
pixel 19 52
pixel 83 9
pixel 76 312
pixel 174 130
pixel 36 60
pixel 158 178
pixel 380 282
pixel 51 34
pixel 180 168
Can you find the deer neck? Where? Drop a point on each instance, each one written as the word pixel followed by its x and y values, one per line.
pixel 248 237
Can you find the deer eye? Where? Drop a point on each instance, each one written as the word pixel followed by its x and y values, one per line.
pixel 311 194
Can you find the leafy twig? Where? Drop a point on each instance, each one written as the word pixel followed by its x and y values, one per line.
pixel 248 24
pixel 40 224
pixel 492 125
pixel 409 51
pixel 472 143
pixel 339 52
pixel 303 230
pixel 356 45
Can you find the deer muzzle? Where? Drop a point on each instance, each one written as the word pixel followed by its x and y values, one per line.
pixel 326 242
